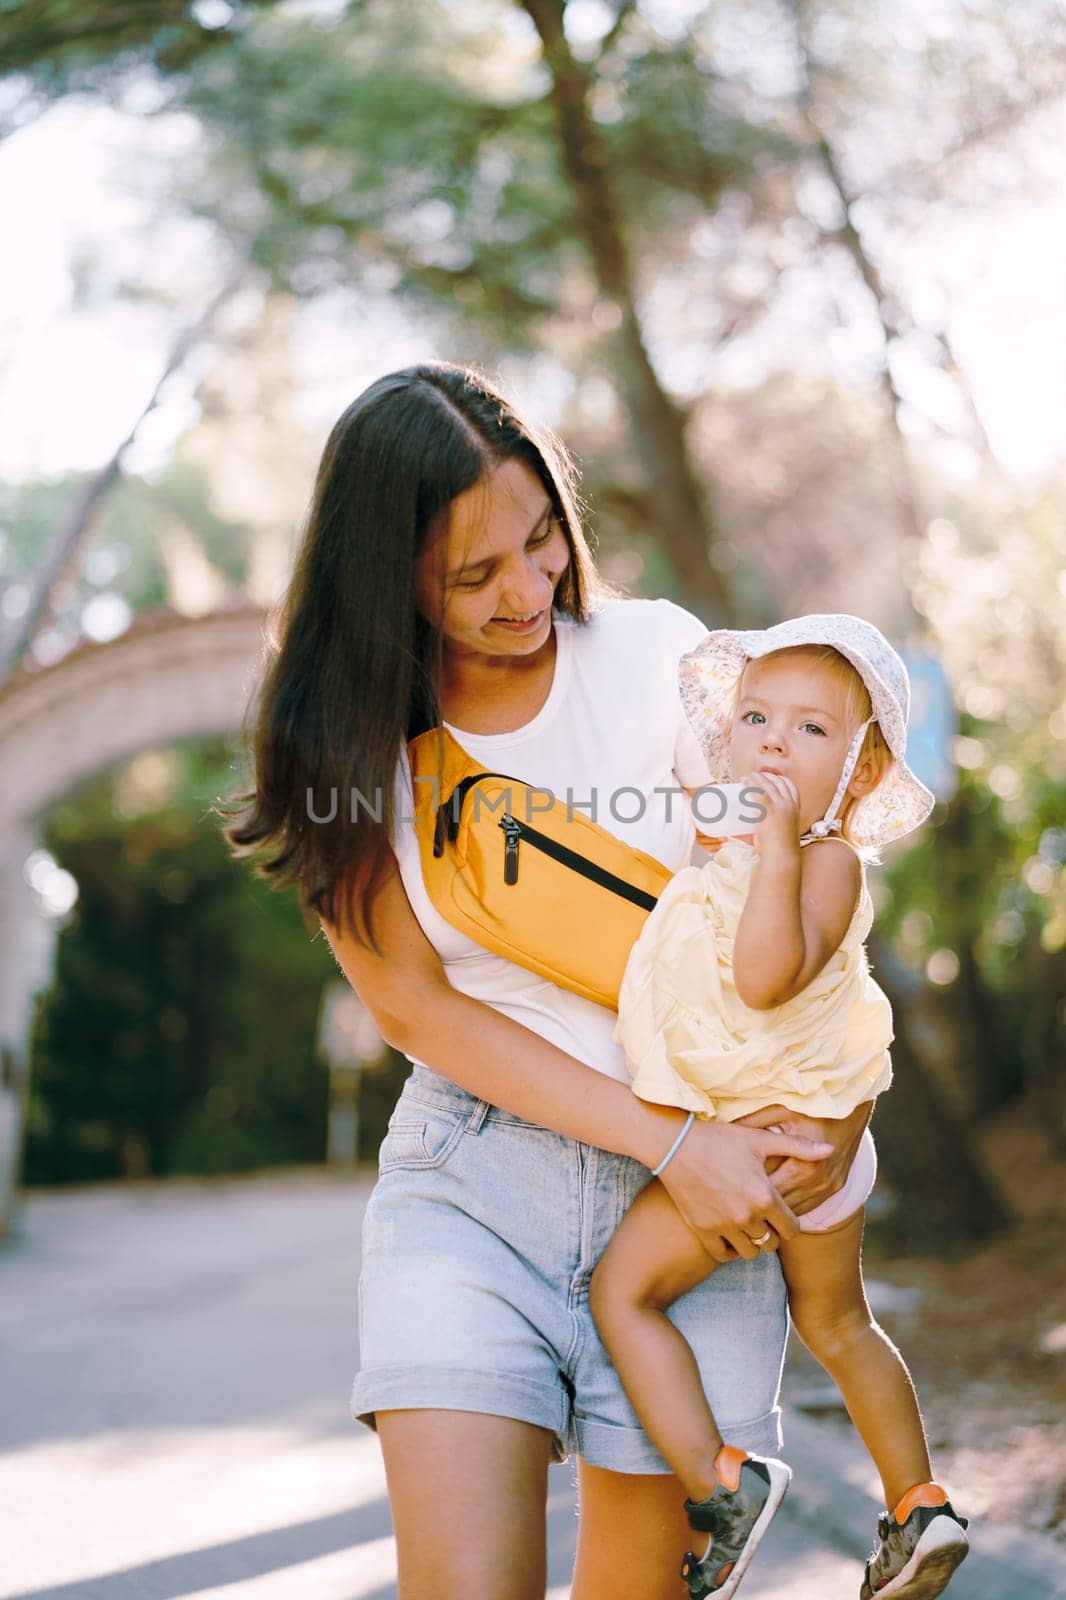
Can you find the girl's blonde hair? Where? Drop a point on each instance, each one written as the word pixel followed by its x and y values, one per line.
pixel 857 707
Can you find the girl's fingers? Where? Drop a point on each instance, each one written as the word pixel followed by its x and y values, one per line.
pixel 775 786
pixel 767 782
pixel 779 796
pixel 786 791
pixel 788 1144
pixel 767 1117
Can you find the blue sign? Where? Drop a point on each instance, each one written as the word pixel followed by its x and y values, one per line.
pixel 933 723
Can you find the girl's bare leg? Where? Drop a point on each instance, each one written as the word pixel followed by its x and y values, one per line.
pixel 828 1306
pixel 652 1260
pixel 468 1494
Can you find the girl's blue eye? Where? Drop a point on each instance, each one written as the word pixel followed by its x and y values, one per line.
pixel 749 714
pixel 815 726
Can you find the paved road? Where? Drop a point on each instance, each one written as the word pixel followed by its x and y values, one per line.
pixel 176 1362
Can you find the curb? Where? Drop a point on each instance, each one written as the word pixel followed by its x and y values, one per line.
pixel 828 1492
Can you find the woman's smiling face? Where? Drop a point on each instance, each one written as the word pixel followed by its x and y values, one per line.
pixel 488 577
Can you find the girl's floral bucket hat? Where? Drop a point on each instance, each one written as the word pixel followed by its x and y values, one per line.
pixel 710 674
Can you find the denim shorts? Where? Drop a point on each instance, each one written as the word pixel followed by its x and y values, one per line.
pixel 479 1240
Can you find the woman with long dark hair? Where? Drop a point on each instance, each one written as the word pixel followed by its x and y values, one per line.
pixel 444 578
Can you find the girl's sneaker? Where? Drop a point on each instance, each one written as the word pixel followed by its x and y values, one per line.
pixel 920 1545
pixel 738 1513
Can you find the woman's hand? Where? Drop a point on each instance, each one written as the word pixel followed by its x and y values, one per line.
pixel 718 1176
pixel 718 1182
pixel 805 1184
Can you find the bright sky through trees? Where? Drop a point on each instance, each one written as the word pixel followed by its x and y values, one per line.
pixel 79 195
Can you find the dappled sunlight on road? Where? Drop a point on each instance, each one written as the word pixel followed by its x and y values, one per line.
pixel 804 1575
pixel 175 1424
pixel 367 1573
pixel 169 1495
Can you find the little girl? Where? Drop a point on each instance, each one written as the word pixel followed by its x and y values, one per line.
pixel 747 989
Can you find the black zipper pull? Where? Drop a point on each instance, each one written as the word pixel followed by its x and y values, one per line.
pixel 511 833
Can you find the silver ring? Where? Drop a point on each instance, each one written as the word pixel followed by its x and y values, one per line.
pixel 764 1238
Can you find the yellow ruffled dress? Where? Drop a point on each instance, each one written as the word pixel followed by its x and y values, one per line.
pixel 691 1042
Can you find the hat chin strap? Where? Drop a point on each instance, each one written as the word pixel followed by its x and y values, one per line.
pixel 831 823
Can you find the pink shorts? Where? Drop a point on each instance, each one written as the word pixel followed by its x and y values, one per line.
pixel 855 1193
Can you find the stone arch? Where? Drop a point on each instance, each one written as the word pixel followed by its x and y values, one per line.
pixel 167 677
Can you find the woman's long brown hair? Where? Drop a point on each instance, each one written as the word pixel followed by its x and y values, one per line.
pixel 352 672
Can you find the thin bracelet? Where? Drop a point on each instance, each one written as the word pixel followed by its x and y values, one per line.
pixel 675 1147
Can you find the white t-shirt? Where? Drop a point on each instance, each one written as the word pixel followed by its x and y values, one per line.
pixel 612 727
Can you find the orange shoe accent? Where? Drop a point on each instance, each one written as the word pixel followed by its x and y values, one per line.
pixel 727 1464
pixel 922 1494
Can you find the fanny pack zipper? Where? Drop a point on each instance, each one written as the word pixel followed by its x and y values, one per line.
pixel 449 813
pixel 515 831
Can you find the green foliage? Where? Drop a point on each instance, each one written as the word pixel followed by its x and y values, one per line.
pixel 365 148
pixel 421 141
pixel 674 134
pixel 981 901
pixel 984 895
pixel 65 45
pixel 123 555
pixel 178 1034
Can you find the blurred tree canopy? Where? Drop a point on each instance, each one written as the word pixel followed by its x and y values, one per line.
pixel 640 198
pixel 64 46
pixel 545 173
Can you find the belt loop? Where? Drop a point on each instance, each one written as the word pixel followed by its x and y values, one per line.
pixel 477 1117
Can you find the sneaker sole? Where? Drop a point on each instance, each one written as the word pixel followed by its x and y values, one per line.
pixel 780 1478
pixel 942 1548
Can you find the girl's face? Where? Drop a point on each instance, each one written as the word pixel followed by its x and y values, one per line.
pixel 487 578
pixel 790 719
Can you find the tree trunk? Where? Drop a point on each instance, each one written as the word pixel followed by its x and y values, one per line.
pixel 683 516
pixel 958 867
pixel 948 1204
pixel 78 522
pixel 1045 1040
pixel 848 235
pixel 890 313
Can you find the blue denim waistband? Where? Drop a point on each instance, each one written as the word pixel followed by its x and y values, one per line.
pixel 433 1089
pixel 429 1088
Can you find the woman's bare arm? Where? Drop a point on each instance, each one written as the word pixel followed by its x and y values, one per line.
pixel 717 1178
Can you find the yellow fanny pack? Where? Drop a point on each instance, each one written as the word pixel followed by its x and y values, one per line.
pixel 526 875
